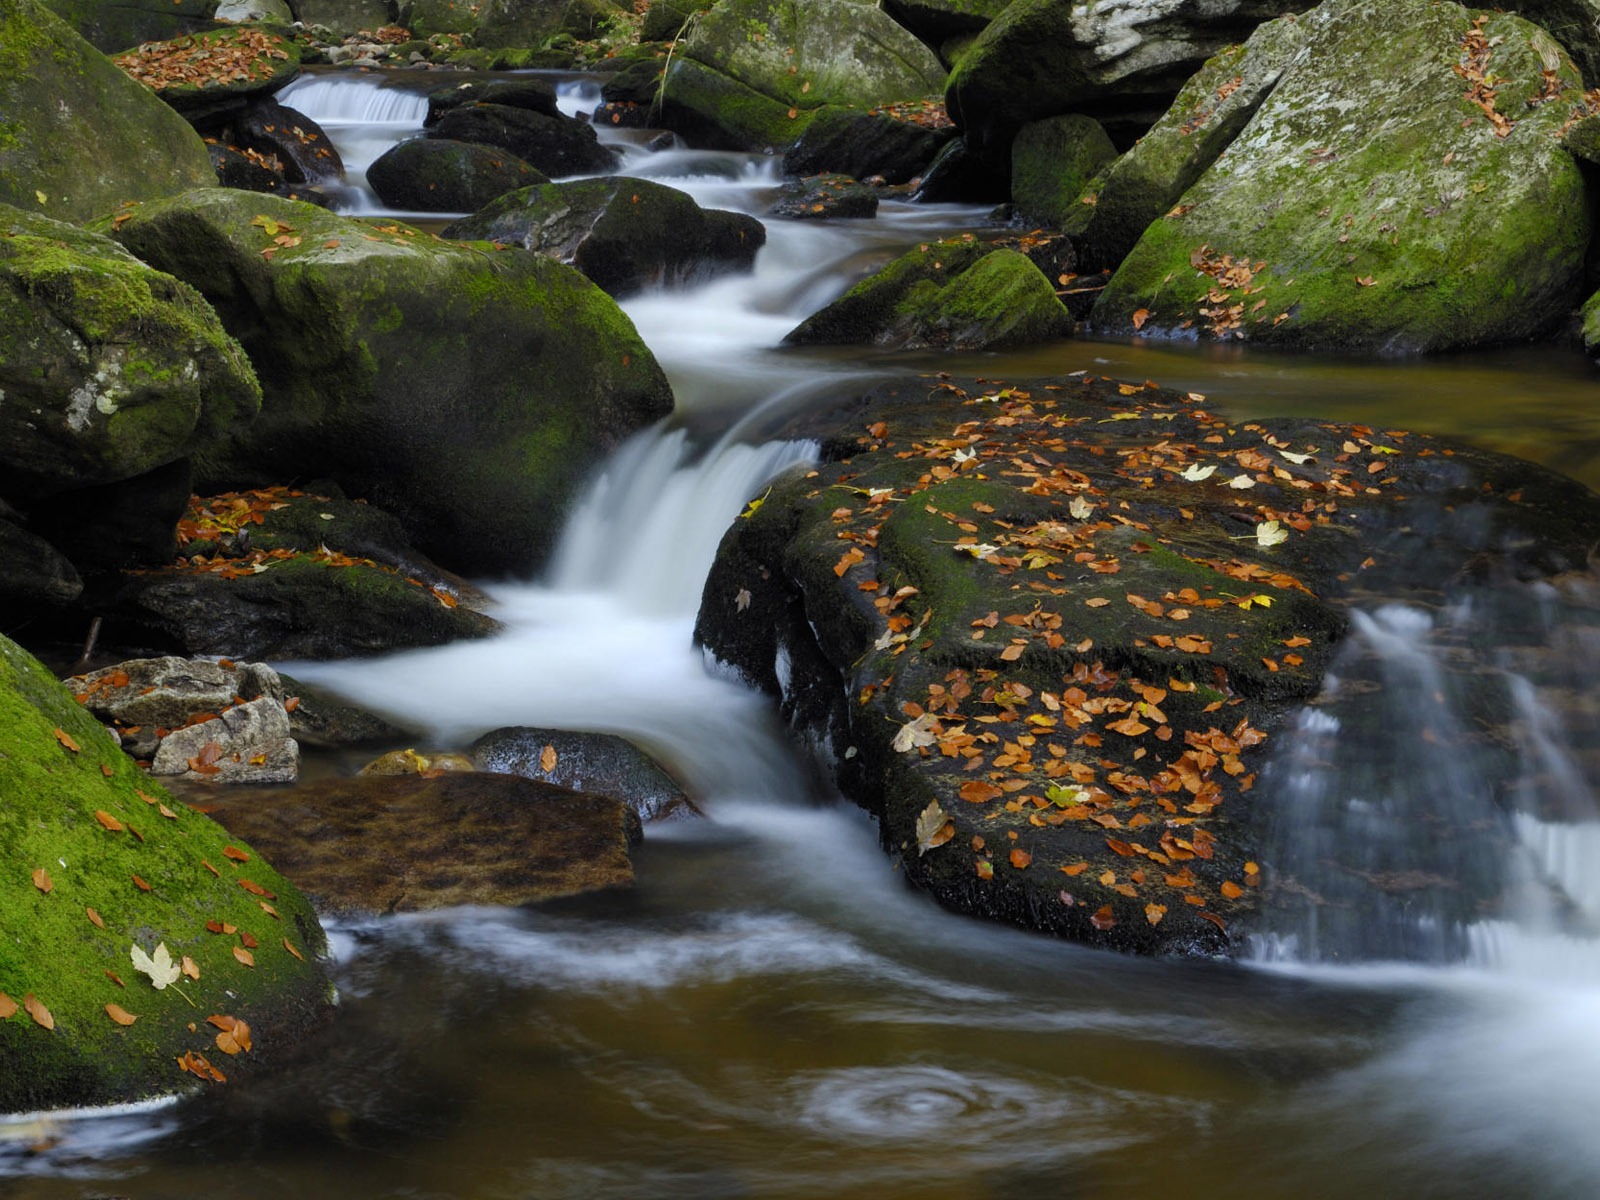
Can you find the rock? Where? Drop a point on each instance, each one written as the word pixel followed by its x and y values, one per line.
pixel 821 197
pixel 1590 324
pixel 1122 63
pixel 121 525
pixel 555 145
pixel 952 295
pixel 754 90
pixel 142 695
pixel 428 175
pixel 625 234
pixel 73 803
pixel 1367 206
pixel 407 844
pixel 247 743
pixel 33 573
pixel 600 763
pixel 409 762
pixel 936 21
pixel 77 136
pixel 109 368
pixel 318 718
pixel 291 137
pixel 345 17
pixel 957 176
pixel 846 141
pixel 205 73
pixel 1573 23
pixel 111 26
pixel 1133 644
pixel 425 18
pixel 1051 162
pixel 239 12
pixel 1210 111
pixel 665 19
pixel 1582 139
pixel 535 95
pixel 530 22
pixel 468 394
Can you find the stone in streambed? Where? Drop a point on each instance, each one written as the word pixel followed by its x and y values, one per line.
pixel 847 141
pixel 217 71
pixel 1051 162
pixel 600 763
pixel 428 175
pixel 406 844
pixel 822 197
pixel 556 145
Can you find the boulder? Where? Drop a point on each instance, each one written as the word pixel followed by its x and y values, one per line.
pixel 121 525
pixel 436 175
pixel 109 368
pixel 936 21
pixel 555 145
pixel 1121 62
pixel 205 73
pixel 240 12
pixel 425 18
pixel 600 763
pixel 100 862
pixel 77 136
pixel 625 234
pixel 821 197
pixel 344 17
pixel 535 95
pixel 1051 163
pixel 111 26
pixel 958 176
pixel 1373 204
pixel 519 23
pixel 144 698
pixel 665 19
pixel 275 131
pixel 1115 208
pixel 750 68
pixel 381 844
pixel 951 295
pixel 847 141
pixel 33 573
pixel 246 743
pixel 408 762
pixel 467 393
pixel 1051 640
pixel 1573 23
pixel 319 718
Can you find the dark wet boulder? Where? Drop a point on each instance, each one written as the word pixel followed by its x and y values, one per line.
pixel 115 526
pixel 601 763
pixel 1121 202
pixel 33 573
pixel 951 295
pixel 937 21
pixel 319 718
pixel 1121 63
pixel 77 136
pixel 111 26
pixel 109 368
pixel 1051 162
pixel 820 197
pixel 556 145
pixel 958 176
pixel 625 234
pixel 100 862
pixel 204 74
pixel 289 136
pixel 380 844
pixel 1402 189
pixel 665 19
pixel 435 175
pixel 535 95
pixel 848 141
pixel 467 393
pixel 1051 629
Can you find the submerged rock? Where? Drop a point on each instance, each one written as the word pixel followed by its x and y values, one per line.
pixel 1403 188
pixel 601 763
pixel 1047 628
pixel 99 861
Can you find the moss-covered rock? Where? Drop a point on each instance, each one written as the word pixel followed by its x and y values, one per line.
pixel 99 860
pixel 625 234
pixel 666 18
pixel 936 21
pixel 202 72
pixel 438 175
pixel 1376 201
pixel 860 144
pixel 1118 205
pixel 1051 163
pixel 108 368
pixel 466 391
pixel 77 136
pixel 752 67
pixel 1122 63
pixel 952 295
pixel 555 145
pixel 114 25
pixel 1048 628
pixel 1573 23
pixel 344 17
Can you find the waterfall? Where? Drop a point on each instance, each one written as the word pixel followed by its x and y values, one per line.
pixel 344 101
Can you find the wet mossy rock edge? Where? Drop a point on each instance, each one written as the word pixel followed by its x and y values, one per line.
pixel 1013 603
pixel 66 787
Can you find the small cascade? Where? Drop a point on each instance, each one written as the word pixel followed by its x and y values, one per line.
pixel 345 100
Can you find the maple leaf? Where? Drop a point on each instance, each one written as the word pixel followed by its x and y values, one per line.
pixel 163 972
pixel 1241 482
pixel 977 549
pixel 915 733
pixel 1195 473
pixel 1080 508
pixel 1268 533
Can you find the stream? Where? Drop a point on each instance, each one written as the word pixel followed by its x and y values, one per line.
pixel 771 1013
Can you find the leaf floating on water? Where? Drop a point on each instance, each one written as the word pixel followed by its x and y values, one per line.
pixel 934 828
pixel 41 880
pixel 547 759
pixel 120 1015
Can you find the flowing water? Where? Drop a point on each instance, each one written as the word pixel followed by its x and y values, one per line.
pixel 771 1014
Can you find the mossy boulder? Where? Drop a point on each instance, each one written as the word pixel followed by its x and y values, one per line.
pixel 1114 209
pixel 555 145
pixel 625 234
pixel 954 295
pixel 114 25
pixel 201 73
pixel 438 175
pixel 108 367
pixel 751 68
pixel 1122 63
pixel 1051 163
pixel 1051 629
pixel 936 21
pixel 100 860
pixel 823 197
pixel 1403 188
pixel 345 17
pixel 1573 23
pixel 665 19
pixel 77 136
pixel 848 141
pixel 468 392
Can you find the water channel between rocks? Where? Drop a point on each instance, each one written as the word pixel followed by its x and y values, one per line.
pixel 772 1014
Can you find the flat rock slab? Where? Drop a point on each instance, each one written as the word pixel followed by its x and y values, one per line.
pixel 407 844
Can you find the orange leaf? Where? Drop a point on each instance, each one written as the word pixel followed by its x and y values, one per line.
pixel 269 910
pixel 105 769
pixel 985 869
pixel 1154 912
pixel 95 918
pixel 547 759
pixel 37 1010
pixel 1102 918
pixel 244 956
pixel 1077 868
pixel 41 880
pixel 289 946
pixel 120 1015
pixel 248 939
pixel 977 791
pixel 140 884
pixel 189 967
pixel 235 853
pixel 255 889
pixel 1231 889
pixel 1020 859
pixel 1119 847
pixel 65 739
pixel 8 1007
pixel 110 822
pixel 1140 316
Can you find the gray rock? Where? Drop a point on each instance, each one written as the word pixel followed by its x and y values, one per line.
pixel 247 743
pixel 601 763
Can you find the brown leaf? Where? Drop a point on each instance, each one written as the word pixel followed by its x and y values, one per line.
pixel 977 791
pixel 95 918
pixel 120 1015
pixel 1231 889
pixel 1154 912
pixel 8 1007
pixel 244 956
pixel 41 880
pixel 1102 918
pixel 140 884
pixel 289 946
pixel 115 978
pixel 1021 859
pixel 255 889
pixel 547 759
pixel 66 740
pixel 189 967
pixel 37 1010
pixel 235 853
pixel 1140 316
pixel 110 822
pixel 248 939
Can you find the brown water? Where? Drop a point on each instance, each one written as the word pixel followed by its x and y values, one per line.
pixel 771 1014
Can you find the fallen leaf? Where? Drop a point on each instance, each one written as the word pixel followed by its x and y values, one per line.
pixel 1103 918
pixel 8 1007
pixel 41 880
pixel 37 1010
pixel 1195 473
pixel 110 822
pixel 934 828
pixel 65 739
pixel 1231 889
pixel 233 852
pixel 95 918
pixel 289 946
pixel 189 967
pixel 1140 316
pixel 255 889
pixel 120 1015
pixel 547 759
pixel 1154 912
pixel 1021 859
pixel 244 956
pixel 978 791
pixel 160 967
pixel 140 884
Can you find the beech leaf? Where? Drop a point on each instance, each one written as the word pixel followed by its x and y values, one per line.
pixel 934 828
